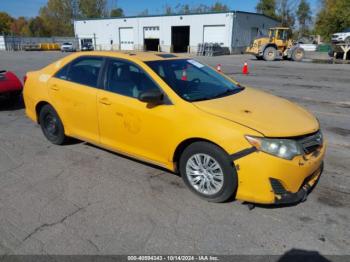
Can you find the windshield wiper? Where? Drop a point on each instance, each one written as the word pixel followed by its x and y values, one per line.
pixel 229 92
pixel 226 93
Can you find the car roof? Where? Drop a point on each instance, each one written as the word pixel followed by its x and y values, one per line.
pixel 142 56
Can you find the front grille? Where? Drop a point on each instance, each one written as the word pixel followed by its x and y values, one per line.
pixel 311 143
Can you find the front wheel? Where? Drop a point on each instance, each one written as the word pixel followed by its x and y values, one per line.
pixel 208 172
pixel 51 125
pixel 270 54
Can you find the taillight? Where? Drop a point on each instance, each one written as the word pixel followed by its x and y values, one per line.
pixel 25 79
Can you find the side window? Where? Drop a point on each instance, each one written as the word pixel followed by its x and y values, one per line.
pixel 127 79
pixel 83 71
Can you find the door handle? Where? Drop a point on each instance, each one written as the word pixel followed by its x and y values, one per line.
pixel 54 87
pixel 105 101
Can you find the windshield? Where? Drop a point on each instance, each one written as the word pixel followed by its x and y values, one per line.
pixel 192 80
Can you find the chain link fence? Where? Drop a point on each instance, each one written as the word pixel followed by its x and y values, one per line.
pixel 17 43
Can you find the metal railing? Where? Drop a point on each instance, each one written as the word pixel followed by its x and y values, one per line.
pixel 17 43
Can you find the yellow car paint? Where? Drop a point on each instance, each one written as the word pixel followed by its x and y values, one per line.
pixel 252 107
pixel 153 134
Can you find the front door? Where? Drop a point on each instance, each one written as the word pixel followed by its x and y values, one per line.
pixel 127 124
pixel 73 92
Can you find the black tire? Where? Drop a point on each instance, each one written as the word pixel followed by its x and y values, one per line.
pixel 51 125
pixel 298 54
pixel 270 53
pixel 340 55
pixel 230 180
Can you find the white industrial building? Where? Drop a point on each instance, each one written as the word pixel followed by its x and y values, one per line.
pixel 233 30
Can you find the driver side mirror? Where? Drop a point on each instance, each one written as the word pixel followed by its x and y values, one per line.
pixel 151 97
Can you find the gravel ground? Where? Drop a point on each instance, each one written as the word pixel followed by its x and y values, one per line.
pixel 80 199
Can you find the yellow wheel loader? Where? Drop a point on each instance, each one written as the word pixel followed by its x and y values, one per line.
pixel 278 44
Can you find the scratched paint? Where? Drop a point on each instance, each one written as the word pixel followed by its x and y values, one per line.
pixel 44 78
pixel 132 123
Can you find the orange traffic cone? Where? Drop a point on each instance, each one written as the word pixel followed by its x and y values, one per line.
pixel 184 75
pixel 218 68
pixel 245 70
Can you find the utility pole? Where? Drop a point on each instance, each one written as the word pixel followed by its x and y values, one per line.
pixel 75 9
pixel 94 41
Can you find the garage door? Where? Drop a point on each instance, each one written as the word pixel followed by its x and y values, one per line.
pixel 151 32
pixel 126 38
pixel 214 34
pixel 2 43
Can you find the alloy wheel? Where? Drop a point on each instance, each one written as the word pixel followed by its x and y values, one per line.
pixel 204 174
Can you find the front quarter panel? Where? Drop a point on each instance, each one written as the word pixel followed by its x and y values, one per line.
pixel 196 124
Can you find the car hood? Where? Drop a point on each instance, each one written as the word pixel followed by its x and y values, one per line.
pixel 270 115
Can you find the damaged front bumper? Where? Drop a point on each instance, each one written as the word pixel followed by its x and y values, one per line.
pixel 266 179
pixel 282 196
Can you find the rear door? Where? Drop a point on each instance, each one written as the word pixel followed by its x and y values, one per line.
pixel 73 92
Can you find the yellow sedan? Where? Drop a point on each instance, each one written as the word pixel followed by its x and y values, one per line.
pixel 226 140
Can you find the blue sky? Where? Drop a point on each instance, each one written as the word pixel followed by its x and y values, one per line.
pixel 30 8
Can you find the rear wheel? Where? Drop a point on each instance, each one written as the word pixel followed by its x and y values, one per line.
pixel 208 172
pixel 51 125
pixel 298 54
pixel 270 53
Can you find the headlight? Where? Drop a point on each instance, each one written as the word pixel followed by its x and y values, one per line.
pixel 283 148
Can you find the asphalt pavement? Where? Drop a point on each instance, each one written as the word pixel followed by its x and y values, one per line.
pixel 80 199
